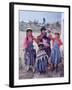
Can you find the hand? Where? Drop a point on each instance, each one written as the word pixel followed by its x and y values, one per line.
pixel 46 45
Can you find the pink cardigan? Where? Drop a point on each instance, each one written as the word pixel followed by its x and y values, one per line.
pixel 26 42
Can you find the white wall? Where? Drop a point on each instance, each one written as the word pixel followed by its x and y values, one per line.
pixel 4 43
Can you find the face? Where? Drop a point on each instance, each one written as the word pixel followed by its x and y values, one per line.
pixel 43 32
pixel 29 33
pixel 56 36
pixel 40 47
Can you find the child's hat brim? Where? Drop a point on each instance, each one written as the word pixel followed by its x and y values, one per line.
pixel 40 44
pixel 29 29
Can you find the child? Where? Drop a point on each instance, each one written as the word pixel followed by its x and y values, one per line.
pixel 30 52
pixel 46 42
pixel 55 53
pixel 41 59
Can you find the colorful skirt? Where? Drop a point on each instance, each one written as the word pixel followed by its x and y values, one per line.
pixel 55 54
pixel 42 62
pixel 30 57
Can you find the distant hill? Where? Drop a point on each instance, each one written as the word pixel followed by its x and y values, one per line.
pixel 36 26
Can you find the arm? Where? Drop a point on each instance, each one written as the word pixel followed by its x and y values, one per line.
pixel 35 39
pixel 60 43
pixel 38 39
pixel 52 39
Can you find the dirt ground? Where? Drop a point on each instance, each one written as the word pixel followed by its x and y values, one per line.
pixel 23 74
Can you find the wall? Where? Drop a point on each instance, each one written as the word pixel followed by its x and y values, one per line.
pixel 4 43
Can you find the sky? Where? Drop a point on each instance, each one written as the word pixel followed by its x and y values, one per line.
pixel 50 17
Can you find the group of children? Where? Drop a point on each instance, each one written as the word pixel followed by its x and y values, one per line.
pixel 39 61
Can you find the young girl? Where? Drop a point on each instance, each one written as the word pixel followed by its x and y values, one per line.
pixel 41 59
pixel 47 46
pixel 30 53
pixel 55 53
